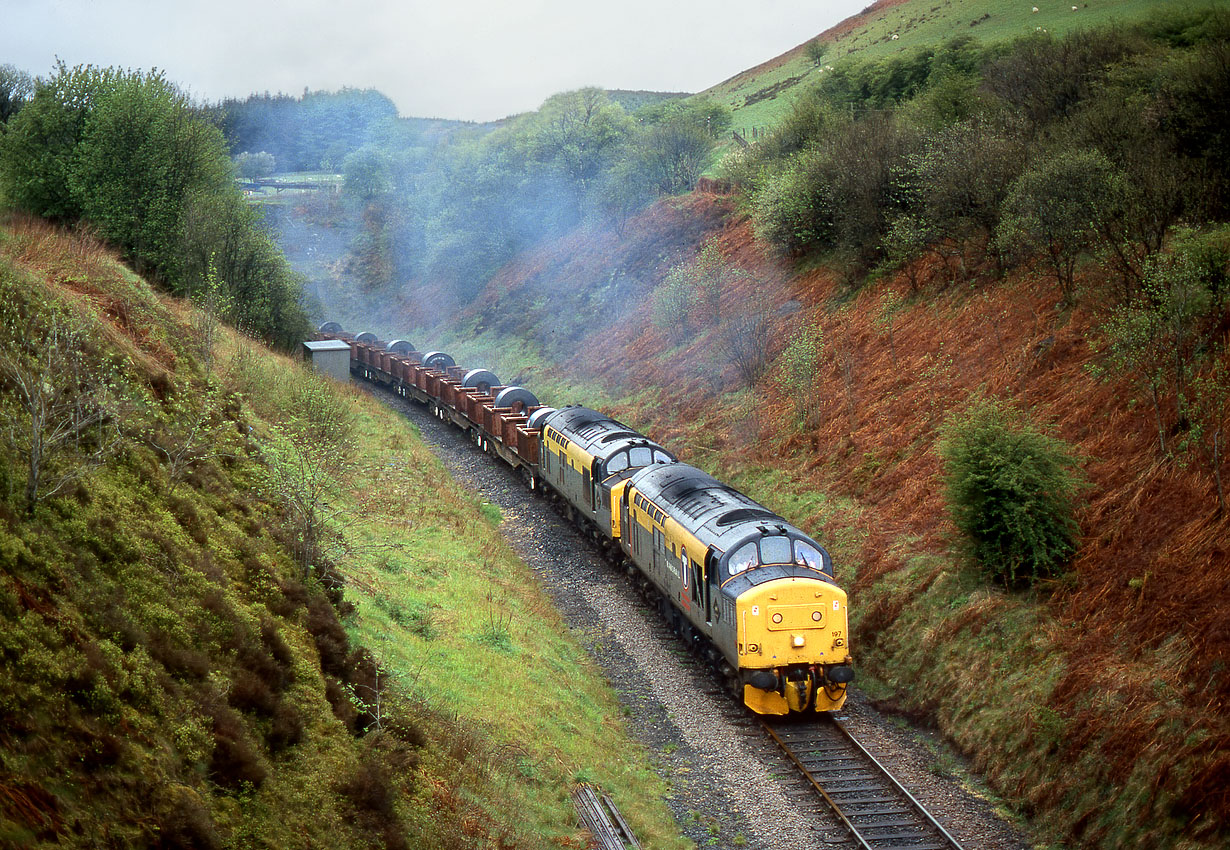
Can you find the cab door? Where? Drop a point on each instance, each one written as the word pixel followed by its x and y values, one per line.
pixel 625 529
pixel 713 591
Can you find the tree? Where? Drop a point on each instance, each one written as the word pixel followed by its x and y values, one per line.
pixel 841 193
pixel 1056 207
pixel 696 287
pixel 220 232
pixel 964 173
pixel 136 199
pixel 38 147
pixel 907 237
pixel 214 306
pixel 1012 491
pixel 890 304
pixel 743 341
pixel 310 132
pixel 1156 339
pixel 127 153
pixel 16 89
pixel 59 404
pixel 799 364
pixel 253 166
pixel 1210 414
pixel 794 209
pixel 672 303
pixel 367 174
pixel 816 51
pixel 188 429
pixel 675 143
pixel 576 135
pixel 623 192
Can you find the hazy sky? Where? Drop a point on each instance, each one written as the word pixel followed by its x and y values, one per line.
pixel 470 59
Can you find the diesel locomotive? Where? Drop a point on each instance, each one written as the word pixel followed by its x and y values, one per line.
pixel 747 589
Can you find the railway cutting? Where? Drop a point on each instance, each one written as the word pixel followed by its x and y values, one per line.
pixel 728 752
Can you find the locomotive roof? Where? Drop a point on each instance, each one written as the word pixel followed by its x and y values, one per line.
pixel 715 513
pixel 595 432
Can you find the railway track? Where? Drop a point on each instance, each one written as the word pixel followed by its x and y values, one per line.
pixel 877 810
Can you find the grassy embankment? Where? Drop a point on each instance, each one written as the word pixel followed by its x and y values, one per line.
pixel 172 678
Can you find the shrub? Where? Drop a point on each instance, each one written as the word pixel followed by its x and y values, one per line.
pixel 800 363
pixel 794 209
pixel 235 759
pixel 1056 209
pixel 1012 491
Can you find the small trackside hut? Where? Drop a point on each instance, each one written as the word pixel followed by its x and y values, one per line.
pixel 329 357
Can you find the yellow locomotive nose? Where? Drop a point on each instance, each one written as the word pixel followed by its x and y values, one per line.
pixel 792 632
pixel 792 621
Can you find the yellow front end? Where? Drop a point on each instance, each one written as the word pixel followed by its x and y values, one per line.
pixel 797 630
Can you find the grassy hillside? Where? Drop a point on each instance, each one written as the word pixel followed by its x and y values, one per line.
pixel 762 96
pixel 185 666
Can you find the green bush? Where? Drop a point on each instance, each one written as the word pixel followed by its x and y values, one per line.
pixel 1012 492
pixel 794 209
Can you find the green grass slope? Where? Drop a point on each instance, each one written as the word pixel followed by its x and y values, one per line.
pixel 761 97
pixel 170 676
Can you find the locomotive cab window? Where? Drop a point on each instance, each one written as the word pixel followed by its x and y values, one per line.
pixel 807 555
pixel 617 463
pixel 743 558
pixel 640 456
pixel 775 550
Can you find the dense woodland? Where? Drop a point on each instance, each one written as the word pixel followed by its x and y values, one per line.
pixel 453 202
pixel 1055 146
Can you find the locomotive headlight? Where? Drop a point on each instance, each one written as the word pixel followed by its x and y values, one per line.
pixel 816 616
pixel 777 618
pixel 796 641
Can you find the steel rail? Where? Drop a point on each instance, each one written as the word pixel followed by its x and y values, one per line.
pixel 865 842
pixel 901 788
pixel 790 754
